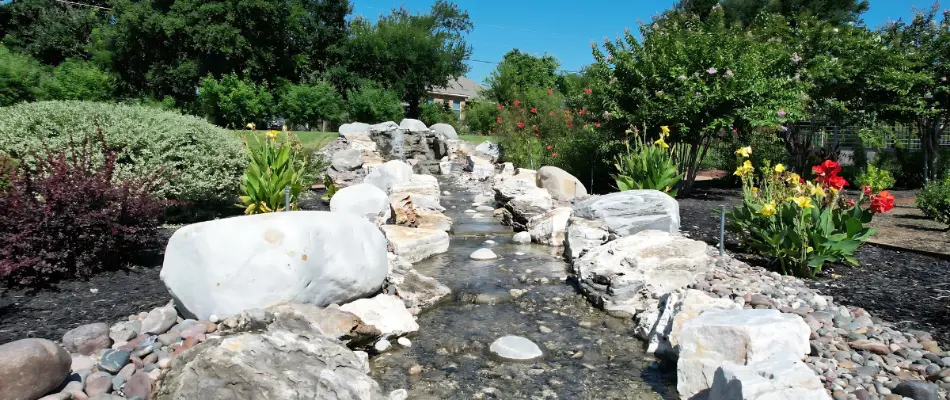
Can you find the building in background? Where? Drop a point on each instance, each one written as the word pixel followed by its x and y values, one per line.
pixel 456 93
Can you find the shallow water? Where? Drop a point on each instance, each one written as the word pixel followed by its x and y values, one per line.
pixel 588 355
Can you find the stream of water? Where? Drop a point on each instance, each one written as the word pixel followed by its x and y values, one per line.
pixel 588 354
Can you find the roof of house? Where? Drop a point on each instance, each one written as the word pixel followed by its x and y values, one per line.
pixel 460 87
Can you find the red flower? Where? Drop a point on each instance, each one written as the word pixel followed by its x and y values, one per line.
pixel 597 124
pixel 534 110
pixel 517 103
pixel 569 123
pixel 535 127
pixel 849 203
pixel 587 90
pixel 537 135
pixel 801 180
pixel 867 190
pixel 500 106
pixel 882 202
pixel 554 155
pixel 498 120
pixel 581 112
pixel 520 125
pixel 550 91
pixel 836 182
pixel 549 147
pixel 829 168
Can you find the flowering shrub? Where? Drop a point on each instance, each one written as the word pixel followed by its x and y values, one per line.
pixel 274 166
pixel 67 216
pixel 648 166
pixel 536 130
pixel 798 226
pixel 934 201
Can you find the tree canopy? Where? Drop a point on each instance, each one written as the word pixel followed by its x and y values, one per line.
pixel 746 11
pixel 518 72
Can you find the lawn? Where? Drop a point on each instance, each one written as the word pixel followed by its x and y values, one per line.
pixel 310 140
pixel 476 139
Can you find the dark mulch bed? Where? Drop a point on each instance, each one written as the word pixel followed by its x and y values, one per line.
pixel 49 313
pixel 897 286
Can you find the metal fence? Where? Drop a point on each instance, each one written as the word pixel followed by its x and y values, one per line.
pixel 848 137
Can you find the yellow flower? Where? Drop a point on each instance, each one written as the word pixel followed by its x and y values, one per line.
pixel 755 190
pixel 745 169
pixel 768 209
pixel 251 126
pixel 272 135
pixel 802 201
pixel 628 131
pixel 744 151
pixel 815 190
pixel 665 129
pixel 779 168
pixel 662 144
pixel 667 190
pixel 284 128
pixel 794 179
pixel 809 249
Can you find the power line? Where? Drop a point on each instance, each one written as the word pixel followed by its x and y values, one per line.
pixel 83 4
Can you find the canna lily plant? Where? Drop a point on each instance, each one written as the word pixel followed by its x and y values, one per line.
pixel 648 165
pixel 274 166
pixel 798 225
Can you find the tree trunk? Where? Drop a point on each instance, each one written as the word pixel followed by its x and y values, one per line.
pixel 412 111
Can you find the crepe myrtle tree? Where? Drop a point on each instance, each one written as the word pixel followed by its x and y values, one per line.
pixel 701 78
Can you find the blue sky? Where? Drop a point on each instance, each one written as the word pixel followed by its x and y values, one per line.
pixel 565 28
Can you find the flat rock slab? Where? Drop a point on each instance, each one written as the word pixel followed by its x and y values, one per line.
pixel 416 244
pixel 515 348
pixel 387 313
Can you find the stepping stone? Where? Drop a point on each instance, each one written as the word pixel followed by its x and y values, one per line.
pixel 483 254
pixel 522 237
pixel 515 348
pixel 489 242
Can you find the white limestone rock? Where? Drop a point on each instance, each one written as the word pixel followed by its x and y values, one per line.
pixel 426 185
pixel 445 129
pixel 550 228
pixel 583 235
pixel 632 211
pixel 515 348
pixel 629 275
pixel 483 255
pixel 364 200
pixel 744 337
pixel 225 266
pixel 413 125
pixel 522 237
pixel 562 185
pixel 355 127
pixel 386 312
pixel 387 175
pixel 767 380
pixel 677 308
pixel 416 244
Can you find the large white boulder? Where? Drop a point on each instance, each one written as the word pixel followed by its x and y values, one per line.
pixel 629 275
pixel 225 266
pixel 562 185
pixel 743 337
pixel 355 127
pixel 663 334
pixel 632 211
pixel 549 228
pixel 426 185
pixel 386 312
pixel 384 127
pixel 416 244
pixel 583 235
pixel 413 125
pixel 445 129
pixel 774 379
pixel 391 173
pixel 360 141
pixel 347 160
pixel 489 148
pixel 364 200
pixel 522 198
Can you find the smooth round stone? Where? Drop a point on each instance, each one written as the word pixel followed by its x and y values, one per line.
pixel 519 254
pixel 113 360
pixel 30 368
pixel 117 382
pixel 470 211
pixel 484 208
pixel 382 345
pixel 87 339
pixel 404 342
pixel 522 237
pixel 447 193
pixel 483 255
pixel 489 242
pixel 515 348
pixel 917 390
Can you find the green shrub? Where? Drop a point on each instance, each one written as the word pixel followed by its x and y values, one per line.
pixel 934 200
pixel 371 104
pixel 204 162
pixel 234 102
pixel 308 105
pixel 877 178
pixel 480 116
pixel 648 166
pixel 76 80
pixel 19 76
pixel 438 113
